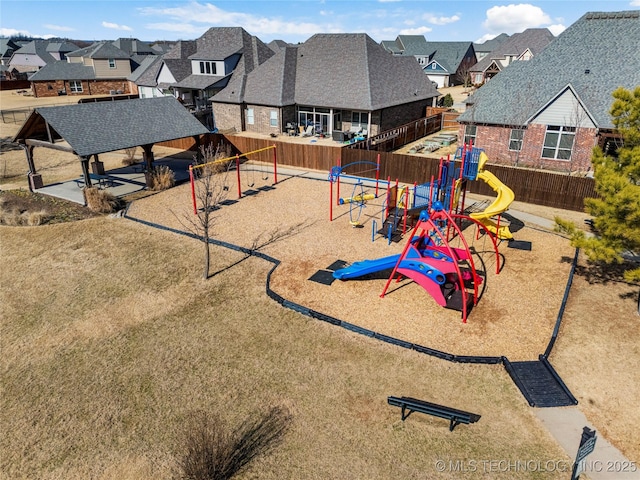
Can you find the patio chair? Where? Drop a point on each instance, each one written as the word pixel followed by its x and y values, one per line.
pixel 308 132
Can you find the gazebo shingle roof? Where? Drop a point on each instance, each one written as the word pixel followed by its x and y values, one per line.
pixel 94 128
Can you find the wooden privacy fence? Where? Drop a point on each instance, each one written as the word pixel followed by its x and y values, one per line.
pixel 530 186
pixel 400 136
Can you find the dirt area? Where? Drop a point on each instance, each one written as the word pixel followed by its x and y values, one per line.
pixel 514 316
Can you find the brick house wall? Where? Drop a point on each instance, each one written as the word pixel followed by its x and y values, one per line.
pixel 262 120
pixel 227 116
pixel 495 142
pixel 89 87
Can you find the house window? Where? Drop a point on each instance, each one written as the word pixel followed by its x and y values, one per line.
pixel 470 134
pixel 515 139
pixel 360 119
pixel 421 60
pixel 558 142
pixel 273 118
pixel 250 120
pixel 75 86
pixel 208 68
pixel 112 63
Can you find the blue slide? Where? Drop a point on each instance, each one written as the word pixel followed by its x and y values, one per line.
pixel 364 267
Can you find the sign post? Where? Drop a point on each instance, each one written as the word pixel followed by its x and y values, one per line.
pixel 587 445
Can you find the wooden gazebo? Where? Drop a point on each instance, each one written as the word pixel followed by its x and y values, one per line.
pixel 89 129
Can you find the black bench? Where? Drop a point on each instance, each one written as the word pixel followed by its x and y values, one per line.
pixel 410 405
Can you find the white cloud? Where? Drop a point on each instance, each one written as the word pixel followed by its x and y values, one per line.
pixel 416 31
pixel 206 13
pixel 11 32
pixel 59 28
pixel 558 29
pixel 635 3
pixel 115 26
pixel 485 37
pixel 515 18
pixel 435 20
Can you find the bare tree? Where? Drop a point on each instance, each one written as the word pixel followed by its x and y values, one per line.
pixel 210 190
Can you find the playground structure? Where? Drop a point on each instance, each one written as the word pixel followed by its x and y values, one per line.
pixel 435 213
pixel 359 197
pixel 233 161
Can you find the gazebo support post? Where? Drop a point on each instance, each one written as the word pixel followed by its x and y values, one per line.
pixel 147 154
pixel 35 179
pixel 84 161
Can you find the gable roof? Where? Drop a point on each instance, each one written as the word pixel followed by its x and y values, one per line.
pixel 100 50
pixel 7 47
pixel 449 55
pixel 176 60
pixel 580 57
pixel 491 45
pixel 37 48
pixel 133 46
pixel 99 127
pixel 62 70
pixel 318 73
pixel 533 39
pixel 63 47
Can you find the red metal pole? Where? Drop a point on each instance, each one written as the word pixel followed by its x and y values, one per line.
pixel 275 166
pixel 238 175
pixel 193 190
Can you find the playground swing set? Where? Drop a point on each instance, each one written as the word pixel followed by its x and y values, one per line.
pixel 241 168
pixel 436 218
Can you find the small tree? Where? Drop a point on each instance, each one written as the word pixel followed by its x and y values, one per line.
pixel 617 210
pixel 210 190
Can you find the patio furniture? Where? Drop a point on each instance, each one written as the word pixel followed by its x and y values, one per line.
pixel 308 132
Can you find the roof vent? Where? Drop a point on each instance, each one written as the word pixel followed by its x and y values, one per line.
pixel 587 71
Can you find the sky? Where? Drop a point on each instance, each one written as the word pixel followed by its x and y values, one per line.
pixel 292 21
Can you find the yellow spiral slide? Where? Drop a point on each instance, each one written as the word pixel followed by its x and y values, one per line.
pixel 498 206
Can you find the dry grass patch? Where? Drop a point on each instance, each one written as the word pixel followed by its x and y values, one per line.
pixel 100 201
pixel 597 354
pixel 110 339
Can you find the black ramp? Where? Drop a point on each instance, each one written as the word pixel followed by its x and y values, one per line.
pixel 540 384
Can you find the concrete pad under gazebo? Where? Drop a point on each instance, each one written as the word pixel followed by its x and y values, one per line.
pixel 90 129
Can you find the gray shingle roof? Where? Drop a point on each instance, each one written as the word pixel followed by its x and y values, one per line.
pixel 64 47
pixel 38 48
pixel 133 46
pixel 148 68
pixel 348 71
pixel 595 55
pixel 491 45
pixel 100 50
pixel 449 54
pixel 534 39
pixel 63 70
pixel 94 128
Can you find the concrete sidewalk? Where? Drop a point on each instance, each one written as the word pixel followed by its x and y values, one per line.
pixel 604 463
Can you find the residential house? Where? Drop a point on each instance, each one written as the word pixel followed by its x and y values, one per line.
pixel 157 78
pixel 193 71
pixel 7 47
pixel 485 48
pixel 36 54
pixel 520 46
pixel 445 63
pixel 551 111
pixel 331 82
pixel 101 68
